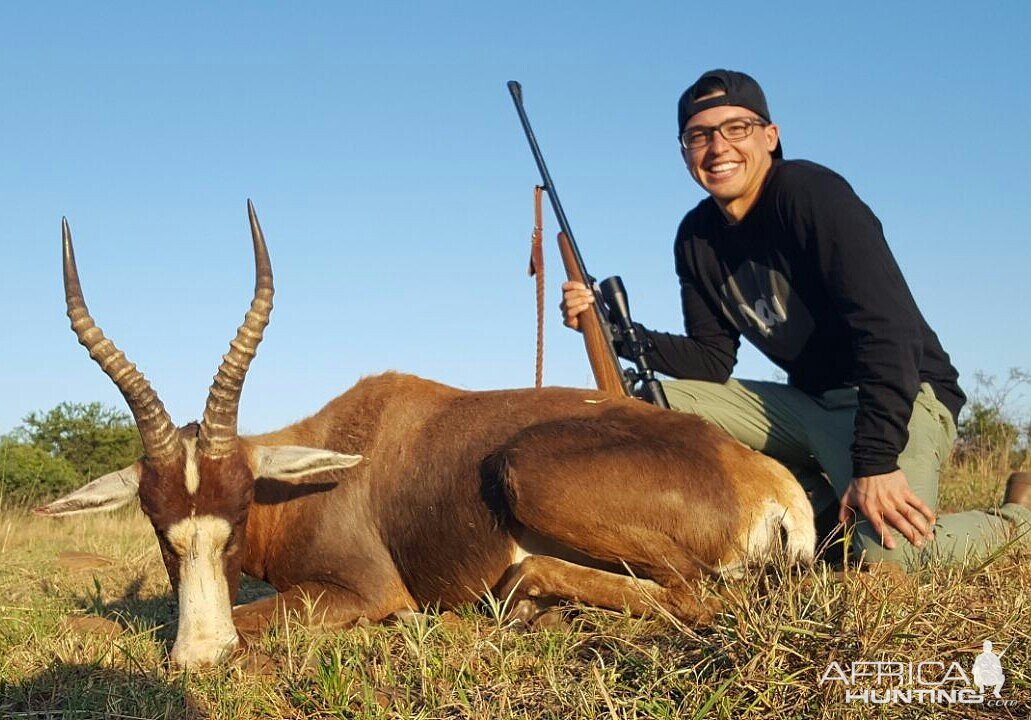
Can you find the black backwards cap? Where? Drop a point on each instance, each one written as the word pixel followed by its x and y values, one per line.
pixel 741 90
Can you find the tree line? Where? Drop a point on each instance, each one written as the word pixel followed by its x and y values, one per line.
pixel 56 451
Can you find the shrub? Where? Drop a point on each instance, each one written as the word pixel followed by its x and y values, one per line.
pixel 56 451
pixel 94 439
pixel 29 474
pixel 989 435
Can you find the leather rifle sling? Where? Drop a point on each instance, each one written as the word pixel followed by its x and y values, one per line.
pixel 537 272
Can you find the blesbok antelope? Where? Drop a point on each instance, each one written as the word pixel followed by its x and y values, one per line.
pixel 403 493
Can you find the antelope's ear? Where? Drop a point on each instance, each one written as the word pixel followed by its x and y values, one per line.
pixel 107 492
pixel 291 463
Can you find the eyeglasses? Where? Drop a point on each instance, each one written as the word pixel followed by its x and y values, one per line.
pixel 733 130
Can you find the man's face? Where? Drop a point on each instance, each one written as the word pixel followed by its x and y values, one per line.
pixel 731 172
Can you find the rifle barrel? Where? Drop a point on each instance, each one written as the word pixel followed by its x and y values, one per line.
pixel 516 91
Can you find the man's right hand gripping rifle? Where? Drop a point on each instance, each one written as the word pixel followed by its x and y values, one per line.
pixel 576 298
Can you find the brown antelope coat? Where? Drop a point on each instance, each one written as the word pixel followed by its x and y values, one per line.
pixel 403 493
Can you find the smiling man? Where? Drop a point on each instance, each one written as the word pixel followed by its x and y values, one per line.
pixel 785 253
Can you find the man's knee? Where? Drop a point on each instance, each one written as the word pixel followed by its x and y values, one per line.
pixel 696 397
pixel 867 548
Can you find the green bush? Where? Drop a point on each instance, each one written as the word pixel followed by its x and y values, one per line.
pixel 94 439
pixel 58 450
pixel 29 474
pixel 990 436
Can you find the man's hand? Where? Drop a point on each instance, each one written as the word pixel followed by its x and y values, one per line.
pixel 887 500
pixel 575 299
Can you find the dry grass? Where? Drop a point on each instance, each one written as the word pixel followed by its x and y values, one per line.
pixel 763 657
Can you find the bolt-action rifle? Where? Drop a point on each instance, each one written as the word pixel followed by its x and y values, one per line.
pixel 608 319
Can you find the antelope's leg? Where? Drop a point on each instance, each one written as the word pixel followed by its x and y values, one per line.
pixel 541 579
pixel 316 604
pixel 654 529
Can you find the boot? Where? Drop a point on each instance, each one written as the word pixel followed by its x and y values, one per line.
pixel 1018 489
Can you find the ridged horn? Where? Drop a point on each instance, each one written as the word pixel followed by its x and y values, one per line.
pixel 157 431
pixel 218 428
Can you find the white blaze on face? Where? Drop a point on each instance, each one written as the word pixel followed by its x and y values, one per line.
pixel 192 473
pixel 206 632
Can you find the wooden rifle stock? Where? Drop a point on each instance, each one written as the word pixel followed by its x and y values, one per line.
pixel 607 372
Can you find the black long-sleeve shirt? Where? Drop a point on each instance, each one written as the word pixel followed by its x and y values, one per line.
pixel 808 278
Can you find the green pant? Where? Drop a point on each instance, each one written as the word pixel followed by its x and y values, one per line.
pixel 812 436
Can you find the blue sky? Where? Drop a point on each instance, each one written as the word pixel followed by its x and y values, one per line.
pixel 382 152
